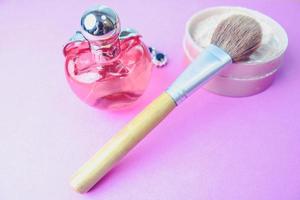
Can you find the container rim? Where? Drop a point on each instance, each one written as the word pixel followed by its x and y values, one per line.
pixel 206 10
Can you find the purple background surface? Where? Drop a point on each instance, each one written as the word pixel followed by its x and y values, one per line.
pixel 211 147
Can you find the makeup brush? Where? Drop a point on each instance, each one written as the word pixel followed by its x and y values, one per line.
pixel 234 40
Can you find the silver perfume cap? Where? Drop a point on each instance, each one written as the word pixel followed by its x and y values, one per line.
pixel 100 23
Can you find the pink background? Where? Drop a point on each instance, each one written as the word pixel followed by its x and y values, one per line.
pixel 211 147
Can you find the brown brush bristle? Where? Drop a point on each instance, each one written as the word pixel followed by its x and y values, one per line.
pixel 239 36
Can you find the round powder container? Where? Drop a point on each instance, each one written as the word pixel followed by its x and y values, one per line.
pixel 238 79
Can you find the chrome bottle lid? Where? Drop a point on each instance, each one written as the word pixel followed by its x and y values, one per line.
pixel 100 23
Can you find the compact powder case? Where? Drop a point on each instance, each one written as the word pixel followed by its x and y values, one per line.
pixel 238 79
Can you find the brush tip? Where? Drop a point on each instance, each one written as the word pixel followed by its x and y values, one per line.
pixel 239 36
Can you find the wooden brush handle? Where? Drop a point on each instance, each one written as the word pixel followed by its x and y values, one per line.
pixel 121 143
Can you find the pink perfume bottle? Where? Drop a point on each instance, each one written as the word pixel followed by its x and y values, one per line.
pixel 107 67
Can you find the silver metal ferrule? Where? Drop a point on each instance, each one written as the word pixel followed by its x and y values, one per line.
pixel 204 67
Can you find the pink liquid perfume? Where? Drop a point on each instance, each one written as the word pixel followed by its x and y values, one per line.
pixel 107 67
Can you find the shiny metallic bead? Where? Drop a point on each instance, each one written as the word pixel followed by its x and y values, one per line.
pixel 100 22
pixel 158 58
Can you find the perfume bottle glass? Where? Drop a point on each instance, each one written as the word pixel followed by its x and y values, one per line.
pixel 104 67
